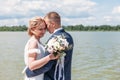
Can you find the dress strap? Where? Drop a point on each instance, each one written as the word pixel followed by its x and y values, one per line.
pixel 30 51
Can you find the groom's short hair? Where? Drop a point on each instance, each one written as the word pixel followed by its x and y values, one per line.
pixel 54 17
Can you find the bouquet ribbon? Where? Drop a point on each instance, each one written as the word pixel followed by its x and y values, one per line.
pixel 59 67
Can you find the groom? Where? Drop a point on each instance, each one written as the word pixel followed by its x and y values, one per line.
pixel 50 70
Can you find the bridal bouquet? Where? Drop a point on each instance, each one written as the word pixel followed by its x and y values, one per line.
pixel 58 44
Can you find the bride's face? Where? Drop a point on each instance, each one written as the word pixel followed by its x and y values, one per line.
pixel 40 30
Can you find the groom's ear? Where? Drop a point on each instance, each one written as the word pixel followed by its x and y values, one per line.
pixel 33 28
pixel 52 24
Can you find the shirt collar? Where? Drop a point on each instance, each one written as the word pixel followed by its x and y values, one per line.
pixel 57 30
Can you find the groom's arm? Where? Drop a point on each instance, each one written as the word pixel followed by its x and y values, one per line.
pixel 41 70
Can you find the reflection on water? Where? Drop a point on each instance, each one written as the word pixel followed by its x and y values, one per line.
pixel 96 55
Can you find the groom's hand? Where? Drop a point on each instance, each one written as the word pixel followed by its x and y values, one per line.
pixel 52 56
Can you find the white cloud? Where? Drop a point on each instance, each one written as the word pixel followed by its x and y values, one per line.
pixel 7 6
pixel 72 11
pixel 20 9
pixel 14 22
pixel 78 8
pixel 116 10
pixel 77 21
pixel 108 18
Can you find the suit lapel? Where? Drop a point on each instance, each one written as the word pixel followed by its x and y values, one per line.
pixel 56 33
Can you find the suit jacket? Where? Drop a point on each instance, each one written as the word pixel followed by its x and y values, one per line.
pixel 49 68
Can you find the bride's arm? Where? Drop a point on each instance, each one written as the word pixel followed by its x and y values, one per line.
pixel 41 70
pixel 35 64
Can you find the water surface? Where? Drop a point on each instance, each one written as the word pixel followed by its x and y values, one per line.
pixel 96 55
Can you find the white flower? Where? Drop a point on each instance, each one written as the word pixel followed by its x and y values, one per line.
pixel 57 44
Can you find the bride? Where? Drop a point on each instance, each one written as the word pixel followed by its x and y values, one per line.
pixel 34 50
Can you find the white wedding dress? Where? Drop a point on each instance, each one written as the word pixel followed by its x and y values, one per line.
pixel 40 53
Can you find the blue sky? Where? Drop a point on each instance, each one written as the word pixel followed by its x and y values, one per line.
pixel 73 12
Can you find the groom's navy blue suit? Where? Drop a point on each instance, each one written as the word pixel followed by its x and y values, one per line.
pixel 49 68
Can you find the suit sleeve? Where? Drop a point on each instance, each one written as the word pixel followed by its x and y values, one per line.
pixel 41 70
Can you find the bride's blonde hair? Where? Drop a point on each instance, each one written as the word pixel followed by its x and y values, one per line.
pixel 33 23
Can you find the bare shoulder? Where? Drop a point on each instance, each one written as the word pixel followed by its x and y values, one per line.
pixel 33 44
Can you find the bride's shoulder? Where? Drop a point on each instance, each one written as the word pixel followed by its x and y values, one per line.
pixel 33 43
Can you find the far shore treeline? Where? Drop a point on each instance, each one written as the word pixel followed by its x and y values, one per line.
pixel 68 28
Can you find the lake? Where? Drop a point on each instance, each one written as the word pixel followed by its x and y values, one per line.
pixel 96 55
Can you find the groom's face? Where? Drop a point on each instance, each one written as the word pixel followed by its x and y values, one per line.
pixel 49 25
